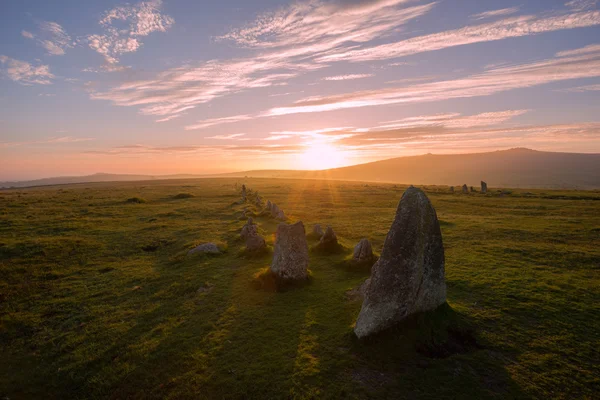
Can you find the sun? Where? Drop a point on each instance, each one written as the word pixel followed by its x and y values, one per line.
pixel 321 156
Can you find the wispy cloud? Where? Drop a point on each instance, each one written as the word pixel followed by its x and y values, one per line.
pixel 233 136
pixel 52 37
pixel 52 140
pixel 496 13
pixel 180 89
pixel 218 121
pixel 24 72
pixel 347 77
pixel 491 81
pixel 506 28
pixel 319 25
pixel 582 89
pixel 454 120
pixel 581 5
pixel 288 40
pixel 139 20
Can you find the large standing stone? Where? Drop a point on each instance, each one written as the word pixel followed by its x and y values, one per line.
pixel 363 251
pixel 409 276
pixel 465 189
pixel 483 187
pixel 290 258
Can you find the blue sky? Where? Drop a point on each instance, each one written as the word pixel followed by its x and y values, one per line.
pixel 181 86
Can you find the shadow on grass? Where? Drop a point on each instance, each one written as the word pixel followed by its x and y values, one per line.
pixel 266 280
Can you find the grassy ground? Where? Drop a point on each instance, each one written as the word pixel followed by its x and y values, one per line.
pixel 98 298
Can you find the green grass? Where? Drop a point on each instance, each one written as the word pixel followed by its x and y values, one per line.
pixel 99 300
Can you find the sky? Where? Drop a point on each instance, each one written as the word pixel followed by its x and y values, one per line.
pixel 200 87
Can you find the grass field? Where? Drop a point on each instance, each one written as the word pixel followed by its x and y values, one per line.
pixel 98 298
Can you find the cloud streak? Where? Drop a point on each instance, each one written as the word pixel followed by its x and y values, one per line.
pixel 52 140
pixel 506 28
pixel 347 77
pixel 490 82
pixel 495 13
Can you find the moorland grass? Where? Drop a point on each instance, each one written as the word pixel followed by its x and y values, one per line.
pixel 99 300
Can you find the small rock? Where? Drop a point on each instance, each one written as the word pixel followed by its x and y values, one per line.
pixel 205 248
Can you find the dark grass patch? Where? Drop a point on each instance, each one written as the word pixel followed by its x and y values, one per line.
pixel 351 264
pixel 446 223
pixel 312 236
pixel 255 254
pixel 155 244
pixel 135 200
pixel 106 270
pixel 328 248
pixel 182 196
pixel 437 334
pixel 267 281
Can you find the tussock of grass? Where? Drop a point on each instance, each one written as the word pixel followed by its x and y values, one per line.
pixel 135 200
pixel 266 280
pixel 181 196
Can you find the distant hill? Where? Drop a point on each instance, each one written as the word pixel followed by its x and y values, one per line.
pixel 92 178
pixel 517 168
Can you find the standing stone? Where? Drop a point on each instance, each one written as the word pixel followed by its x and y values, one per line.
pixel 318 231
pixel 255 242
pixel 280 215
pixel 244 192
pixel 363 251
pixel 269 205
pixel 483 187
pixel 409 276
pixel 472 189
pixel 451 189
pixel 277 213
pixel 249 229
pixel 290 258
pixel 329 238
pixel 465 189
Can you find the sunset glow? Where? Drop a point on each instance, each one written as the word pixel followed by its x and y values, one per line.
pixel 161 87
pixel 321 156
